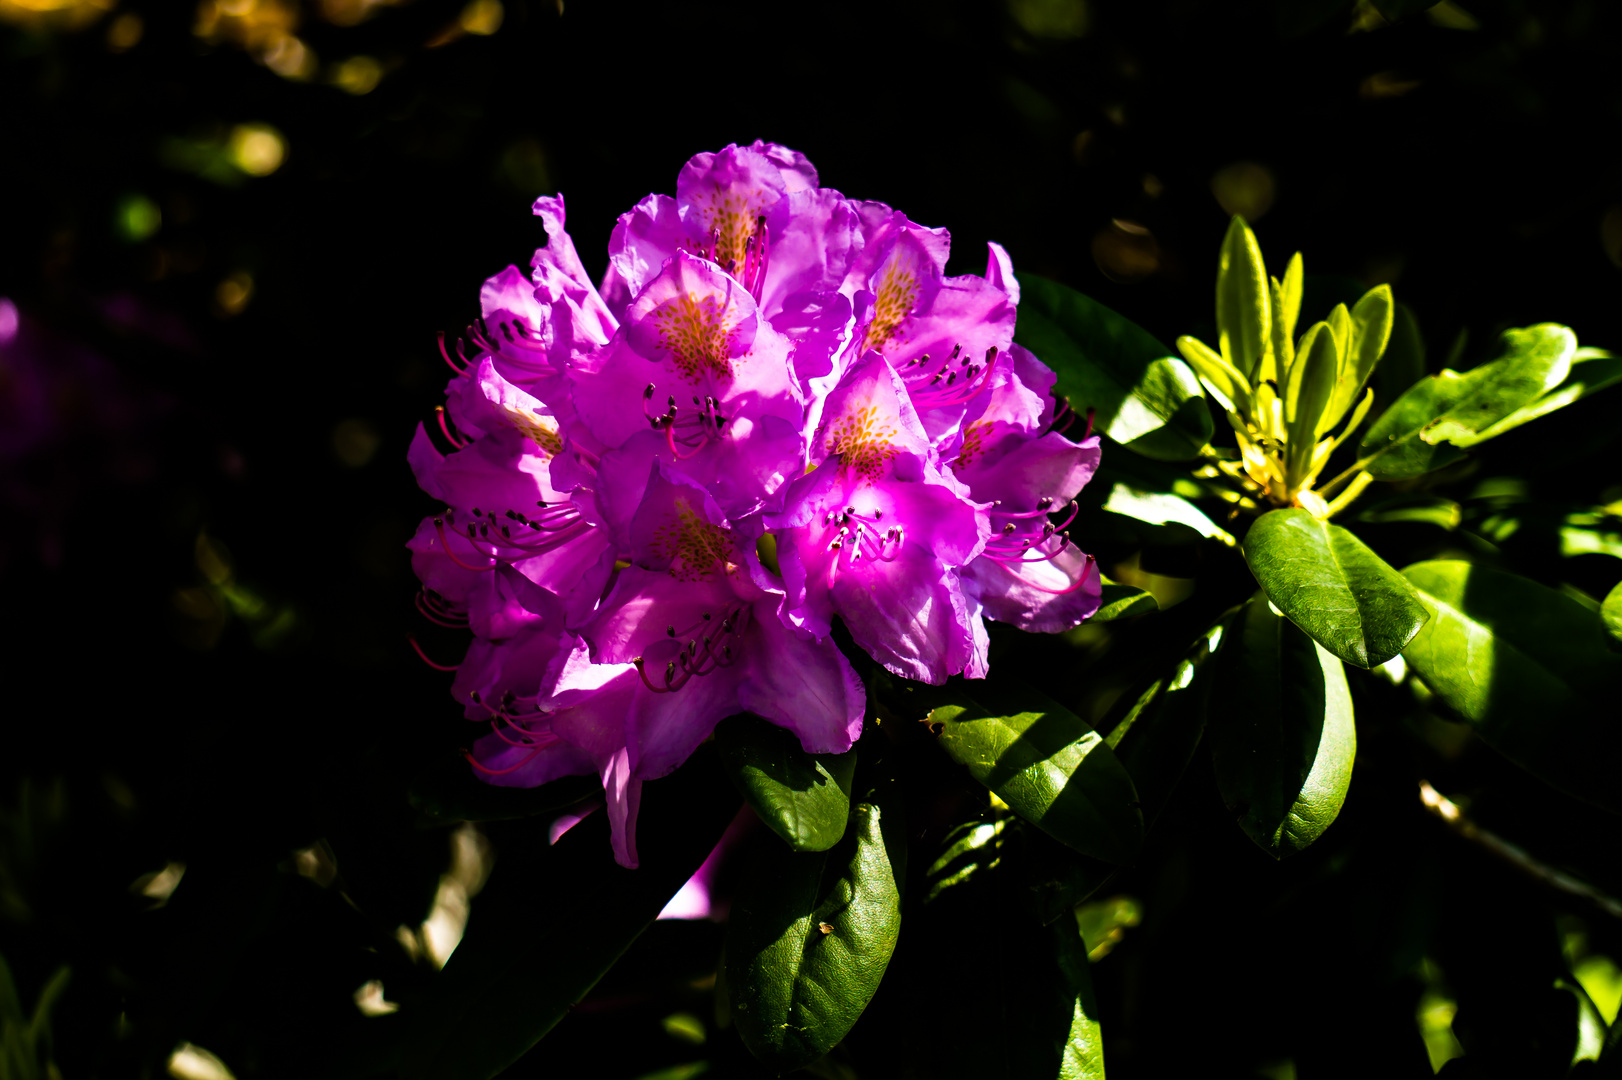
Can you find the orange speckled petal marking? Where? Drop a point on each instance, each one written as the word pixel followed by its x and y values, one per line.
pixel 863 440
pixel 696 319
pixel 696 547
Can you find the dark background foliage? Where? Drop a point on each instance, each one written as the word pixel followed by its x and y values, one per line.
pixel 207 598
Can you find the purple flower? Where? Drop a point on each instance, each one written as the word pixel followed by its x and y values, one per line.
pixel 767 366
pixel 876 532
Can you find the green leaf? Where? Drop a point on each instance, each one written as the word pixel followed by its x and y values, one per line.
pixel 1610 613
pixel 1407 440
pixel 1280 731
pixel 1123 602
pixel 809 938
pixel 1141 396
pixel 1244 304
pixel 1527 666
pixel 1046 763
pixel 995 993
pixel 1221 378
pixel 1592 370
pixel 1371 323
pixel 804 798
pixel 1420 509
pixel 1404 361
pixel 1332 586
pixel 1154 731
pixel 502 989
pixel 1308 388
pixel 1160 508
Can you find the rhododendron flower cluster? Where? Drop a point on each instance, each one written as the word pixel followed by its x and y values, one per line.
pixel 660 491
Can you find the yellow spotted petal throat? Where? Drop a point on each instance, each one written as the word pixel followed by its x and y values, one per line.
pixel 1286 396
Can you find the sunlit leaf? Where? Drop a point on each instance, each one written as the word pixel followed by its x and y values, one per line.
pixel 1122 602
pixel 1528 667
pixel 1437 417
pixel 1280 731
pixel 1592 370
pixel 809 938
pixel 1332 586
pixel 1043 760
pixel 1244 303
pixel 1141 395
pixel 1611 614
pixel 804 798
pixel 1161 508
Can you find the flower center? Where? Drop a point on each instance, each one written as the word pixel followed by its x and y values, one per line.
pixel 687 433
pixel 514 536
pixel 695 547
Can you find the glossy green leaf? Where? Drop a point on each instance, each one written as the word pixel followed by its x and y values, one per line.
pixel 1527 666
pixel 1332 586
pixel 1280 731
pixel 809 938
pixel 995 993
pixel 1439 416
pixel 804 798
pixel 1045 762
pixel 1123 602
pixel 1161 508
pixel 1611 615
pixel 1244 304
pixel 1592 370
pixel 502 991
pixel 1141 396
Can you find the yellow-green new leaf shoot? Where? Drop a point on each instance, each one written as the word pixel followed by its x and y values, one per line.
pixel 1221 378
pixel 1244 322
pixel 1310 385
pixel 1372 320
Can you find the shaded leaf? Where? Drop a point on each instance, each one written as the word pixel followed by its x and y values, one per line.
pixel 1154 733
pixel 804 798
pixel 1141 396
pixel 1452 408
pixel 809 938
pixel 1419 509
pixel 1017 995
pixel 1280 731
pixel 1045 762
pixel 1527 666
pixel 1332 586
pixel 553 919
pixel 1122 602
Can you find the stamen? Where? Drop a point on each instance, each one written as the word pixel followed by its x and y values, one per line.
pixel 424 657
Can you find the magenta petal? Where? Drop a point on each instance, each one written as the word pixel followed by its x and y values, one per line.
pixel 804 685
pixel 624 794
